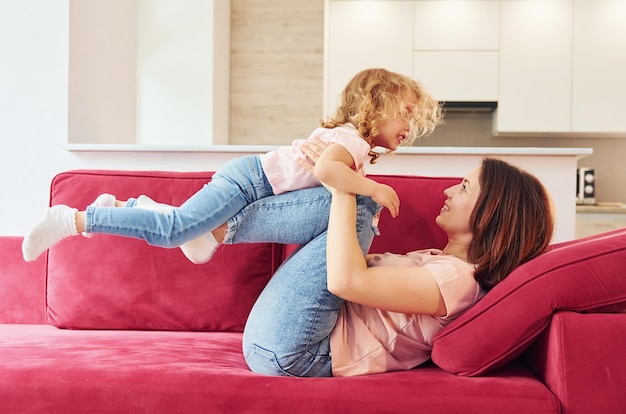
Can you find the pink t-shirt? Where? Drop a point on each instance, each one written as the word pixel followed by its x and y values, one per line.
pixel 285 174
pixel 368 340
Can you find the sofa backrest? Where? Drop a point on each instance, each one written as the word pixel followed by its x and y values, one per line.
pixel 109 282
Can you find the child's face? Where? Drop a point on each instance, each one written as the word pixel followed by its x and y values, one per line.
pixel 394 131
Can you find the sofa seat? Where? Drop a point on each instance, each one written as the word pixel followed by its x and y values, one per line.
pixel 64 371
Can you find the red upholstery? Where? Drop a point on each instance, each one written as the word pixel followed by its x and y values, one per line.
pixel 595 362
pixel 145 306
pixel 583 275
pixel 118 283
pixel 415 227
pixel 48 370
pixel 22 285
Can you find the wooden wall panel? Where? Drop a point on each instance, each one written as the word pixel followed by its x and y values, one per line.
pixel 276 70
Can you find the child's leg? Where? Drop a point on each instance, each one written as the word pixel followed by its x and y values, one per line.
pixel 103 200
pixel 295 217
pixel 199 250
pixel 240 182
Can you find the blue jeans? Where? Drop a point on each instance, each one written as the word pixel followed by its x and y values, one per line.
pixel 288 329
pixel 287 332
pixel 237 184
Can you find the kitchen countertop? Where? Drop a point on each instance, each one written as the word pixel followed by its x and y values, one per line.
pixel 579 152
pixel 601 209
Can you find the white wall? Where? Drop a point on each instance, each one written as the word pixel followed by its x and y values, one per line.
pixel 33 126
pixel 33 115
pixel 151 72
pixel 174 77
pixel 33 105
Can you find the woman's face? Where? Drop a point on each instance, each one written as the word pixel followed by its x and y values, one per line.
pixel 461 199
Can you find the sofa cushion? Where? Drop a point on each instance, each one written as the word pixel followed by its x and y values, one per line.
pixel 48 370
pixel 109 282
pixel 583 275
pixel 421 199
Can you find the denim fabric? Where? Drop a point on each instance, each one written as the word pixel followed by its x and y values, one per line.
pixel 238 183
pixel 293 218
pixel 288 330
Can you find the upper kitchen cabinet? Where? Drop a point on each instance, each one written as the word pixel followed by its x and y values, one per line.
pixel 554 67
pixel 456 49
pixel 365 34
pixel 451 47
pixel 599 66
pixel 457 25
pixel 561 67
pixel 535 66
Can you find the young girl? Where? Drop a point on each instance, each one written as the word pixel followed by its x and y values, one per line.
pixel 378 108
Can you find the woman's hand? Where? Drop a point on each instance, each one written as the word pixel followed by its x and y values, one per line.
pixel 312 149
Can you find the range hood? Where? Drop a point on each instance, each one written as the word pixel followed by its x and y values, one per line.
pixel 470 106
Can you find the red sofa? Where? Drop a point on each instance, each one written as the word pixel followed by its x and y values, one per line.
pixel 113 325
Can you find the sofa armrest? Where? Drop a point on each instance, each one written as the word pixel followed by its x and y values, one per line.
pixel 580 357
pixel 582 275
pixel 22 285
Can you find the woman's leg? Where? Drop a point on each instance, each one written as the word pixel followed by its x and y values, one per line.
pixel 287 332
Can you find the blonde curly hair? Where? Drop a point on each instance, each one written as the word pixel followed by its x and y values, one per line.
pixel 376 94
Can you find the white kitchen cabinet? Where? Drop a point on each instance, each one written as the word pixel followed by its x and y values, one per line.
pixel 562 66
pixel 535 66
pixel 365 34
pixel 449 46
pixel 458 75
pixel 599 66
pixel 555 67
pixel 456 49
pixel 457 25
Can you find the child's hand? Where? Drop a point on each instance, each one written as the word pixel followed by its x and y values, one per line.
pixel 388 198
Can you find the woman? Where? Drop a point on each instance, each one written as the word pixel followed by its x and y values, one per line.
pixel 329 310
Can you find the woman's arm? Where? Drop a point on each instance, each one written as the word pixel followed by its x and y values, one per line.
pixel 399 289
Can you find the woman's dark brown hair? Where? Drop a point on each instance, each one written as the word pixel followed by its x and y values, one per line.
pixel 512 222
